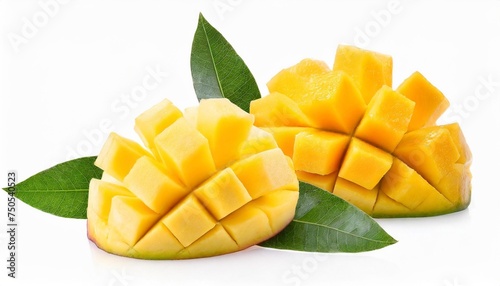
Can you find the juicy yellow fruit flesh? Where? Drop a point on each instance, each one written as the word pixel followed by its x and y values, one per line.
pixel 386 119
pixel 318 152
pixel 210 184
pixel 430 102
pixel 369 70
pixel 364 164
pixel 376 147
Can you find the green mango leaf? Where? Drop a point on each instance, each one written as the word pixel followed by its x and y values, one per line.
pixel 326 223
pixel 217 70
pixel 61 190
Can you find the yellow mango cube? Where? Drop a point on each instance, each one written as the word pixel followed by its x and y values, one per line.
pixel 258 140
pixel 430 103
pixel 222 194
pixel 157 243
pixel 181 147
pixel 460 143
pixel 97 228
pixel 387 207
pixel 364 164
pixel 153 121
pixel 369 70
pixel 293 81
pixel 246 221
pixel 226 126
pixel 118 155
pixel 276 109
pixel 430 151
pixel 456 186
pixel 434 204
pixel 334 103
pixel 319 152
pixel 386 119
pixel 403 184
pixel 148 182
pixel 100 195
pixel 131 218
pixel 189 220
pixel 278 206
pixel 285 137
pixel 191 115
pixel 214 242
pixel 115 242
pixel 270 169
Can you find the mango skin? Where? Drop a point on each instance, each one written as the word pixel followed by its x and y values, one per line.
pixel 207 183
pixel 395 162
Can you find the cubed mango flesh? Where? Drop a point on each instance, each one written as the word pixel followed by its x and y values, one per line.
pixel 403 184
pixel 118 156
pixel 294 81
pixel 364 164
pixel 285 137
pixel 430 102
pixel 216 184
pixel 333 102
pixel 258 140
pixel 319 152
pixel 182 146
pixel 431 151
pixel 369 70
pixel 277 109
pixel 160 192
pixel 386 119
pixel 189 220
pixel 151 123
pixel 217 119
pixel 376 147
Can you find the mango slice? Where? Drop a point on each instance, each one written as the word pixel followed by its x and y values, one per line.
pixel 349 133
pixel 207 184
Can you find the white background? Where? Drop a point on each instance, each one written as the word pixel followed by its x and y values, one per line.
pixel 68 69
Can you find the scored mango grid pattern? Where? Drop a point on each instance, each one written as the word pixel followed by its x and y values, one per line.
pixel 157 205
pixel 382 152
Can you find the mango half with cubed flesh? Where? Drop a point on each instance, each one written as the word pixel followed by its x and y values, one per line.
pixel 207 183
pixel 351 134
